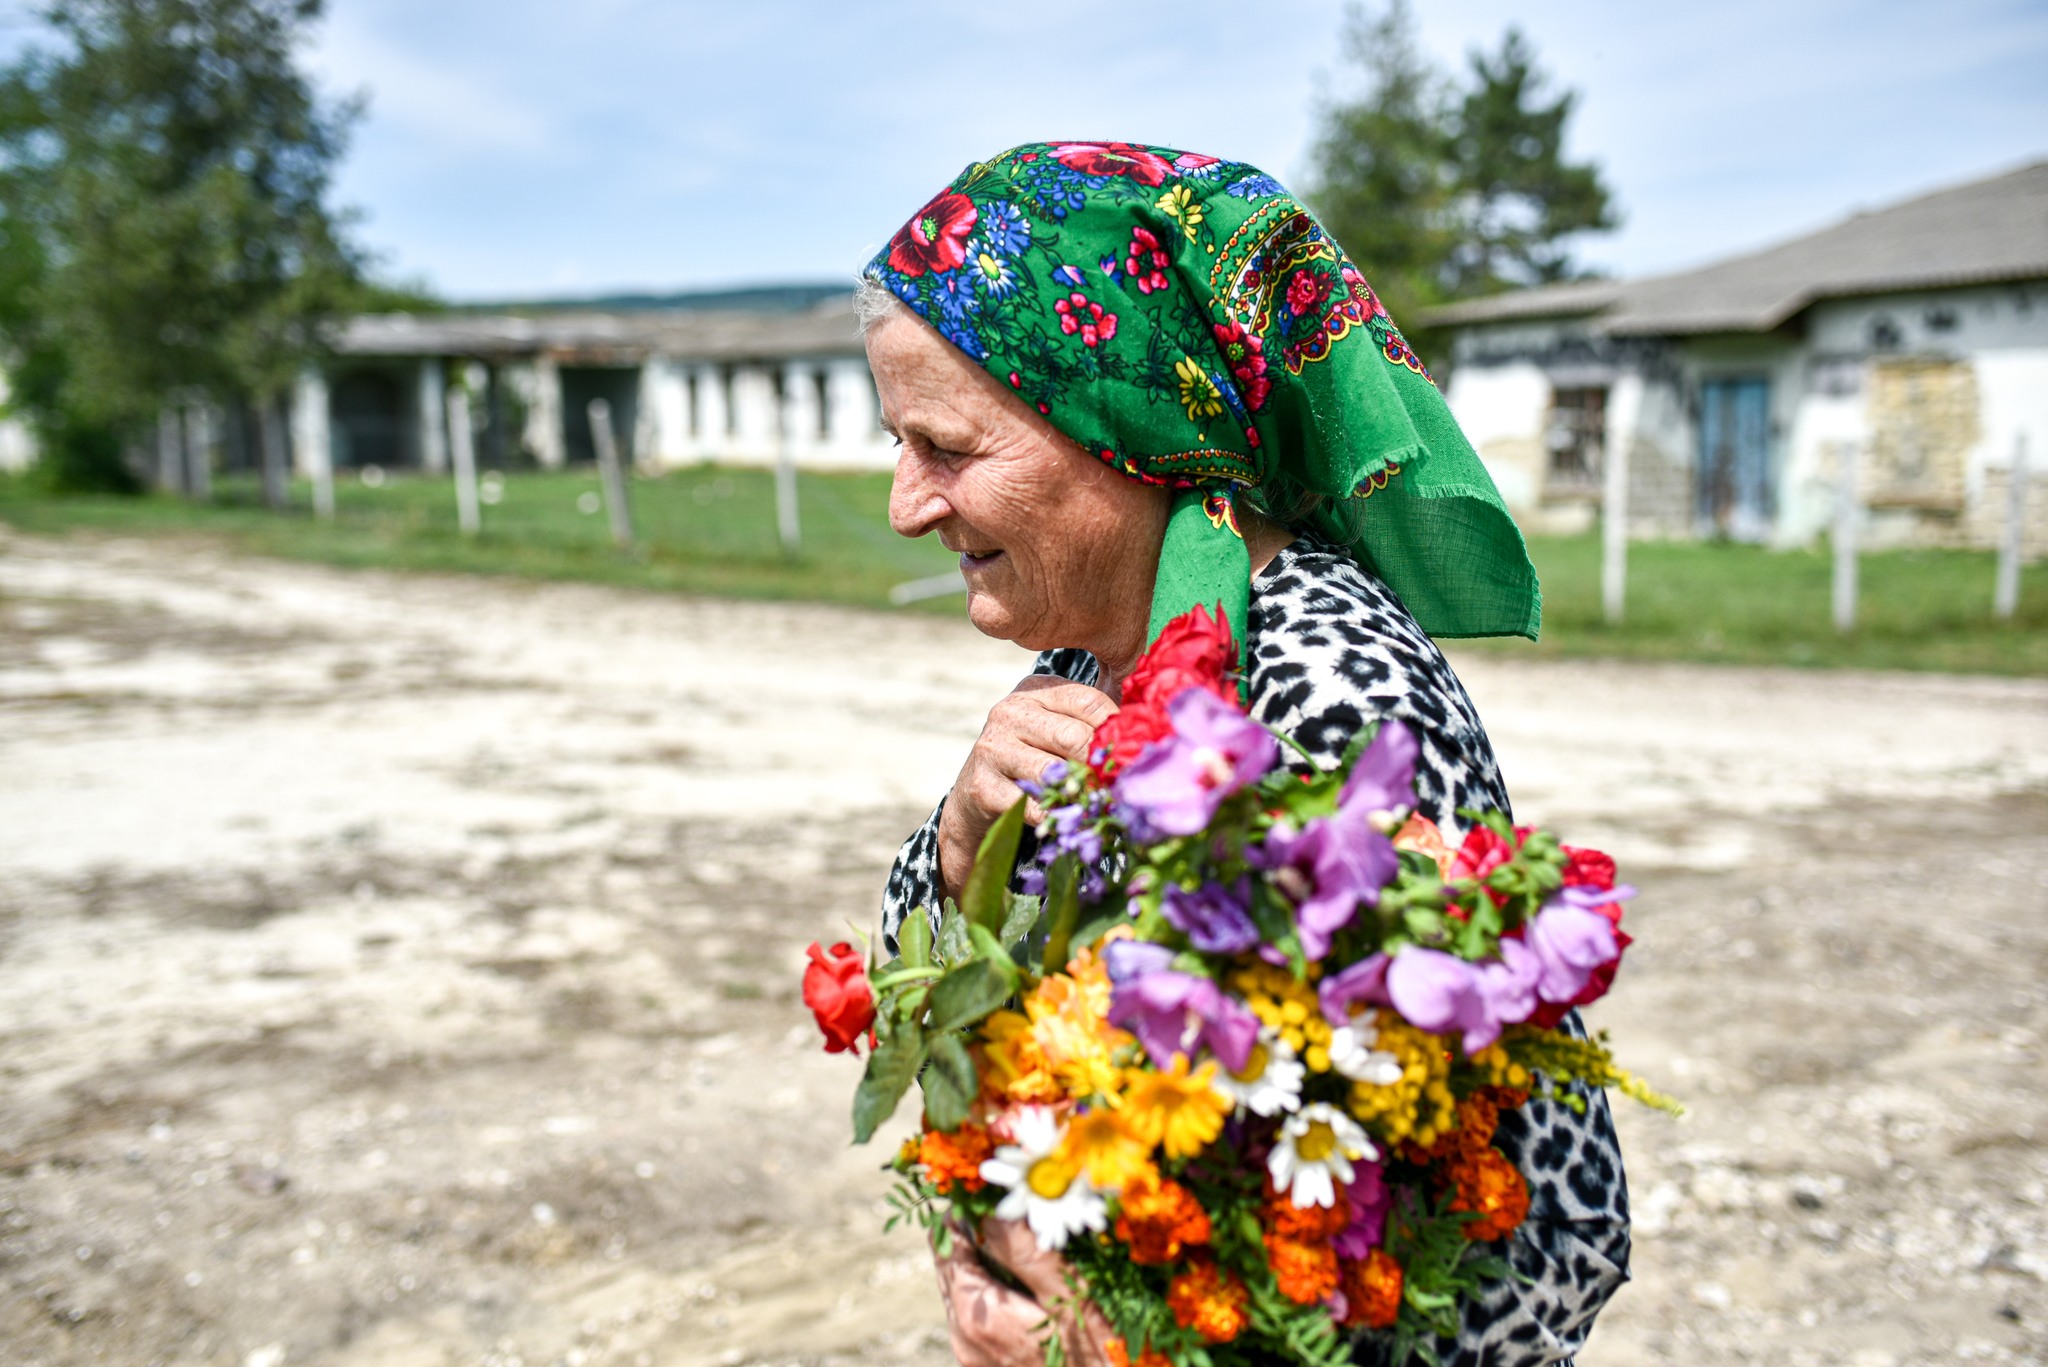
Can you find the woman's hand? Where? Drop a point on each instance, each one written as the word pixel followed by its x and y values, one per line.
pixel 992 1325
pixel 1043 719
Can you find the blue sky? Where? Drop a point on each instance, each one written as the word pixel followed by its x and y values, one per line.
pixel 525 147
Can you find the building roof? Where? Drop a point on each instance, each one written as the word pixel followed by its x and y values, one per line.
pixel 601 337
pixel 1985 232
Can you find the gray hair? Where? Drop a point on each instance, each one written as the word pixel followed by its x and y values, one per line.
pixel 872 302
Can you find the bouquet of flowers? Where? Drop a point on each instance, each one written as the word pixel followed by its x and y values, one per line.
pixel 1240 1049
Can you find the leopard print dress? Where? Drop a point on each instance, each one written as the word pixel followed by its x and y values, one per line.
pixel 1332 650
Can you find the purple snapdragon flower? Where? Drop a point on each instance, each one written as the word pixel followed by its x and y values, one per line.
pixel 1382 783
pixel 1173 1012
pixel 1370 1200
pixel 1176 785
pixel 1216 919
pixel 1364 981
pixel 1440 992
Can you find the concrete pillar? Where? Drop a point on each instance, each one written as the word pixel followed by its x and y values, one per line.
pixel 800 410
pixel 200 430
pixel 433 417
pixel 662 440
pixel 545 435
pixel 754 415
pixel 313 438
pixel 853 425
pixel 713 418
pixel 170 452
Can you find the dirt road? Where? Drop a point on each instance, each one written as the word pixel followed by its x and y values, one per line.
pixel 401 971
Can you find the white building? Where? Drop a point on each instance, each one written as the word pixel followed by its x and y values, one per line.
pixel 1912 338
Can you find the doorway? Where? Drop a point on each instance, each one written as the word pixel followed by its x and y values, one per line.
pixel 1736 496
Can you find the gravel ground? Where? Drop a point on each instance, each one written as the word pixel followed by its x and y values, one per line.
pixel 401 971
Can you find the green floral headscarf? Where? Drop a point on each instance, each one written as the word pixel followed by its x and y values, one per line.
pixel 1188 321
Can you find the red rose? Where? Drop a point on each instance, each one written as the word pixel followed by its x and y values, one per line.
pixel 1124 736
pixel 1483 852
pixel 936 239
pixel 1306 292
pixel 1587 869
pixel 1113 159
pixel 836 989
pixel 1245 354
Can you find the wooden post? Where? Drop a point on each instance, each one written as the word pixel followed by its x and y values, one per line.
pixel 1847 453
pixel 611 472
pixel 786 528
pixel 462 446
pixel 276 477
pixel 2005 599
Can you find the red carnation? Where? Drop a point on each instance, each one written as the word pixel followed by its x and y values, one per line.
pixel 1113 159
pixel 936 238
pixel 1194 650
pixel 1585 868
pixel 836 989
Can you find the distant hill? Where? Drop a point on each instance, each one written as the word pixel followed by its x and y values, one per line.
pixel 798 297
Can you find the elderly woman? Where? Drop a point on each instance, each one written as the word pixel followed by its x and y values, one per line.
pixel 1127 380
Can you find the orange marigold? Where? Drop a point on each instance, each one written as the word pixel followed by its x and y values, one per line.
pixel 1308 1223
pixel 953 1161
pixel 1490 1187
pixel 1306 1272
pixel 1372 1291
pixel 1120 1355
pixel 1159 1219
pixel 1209 1301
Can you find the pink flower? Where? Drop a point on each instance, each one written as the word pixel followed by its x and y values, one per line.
pixel 1245 354
pixel 1176 785
pixel 1113 159
pixel 1144 261
pixel 1306 291
pixel 1078 314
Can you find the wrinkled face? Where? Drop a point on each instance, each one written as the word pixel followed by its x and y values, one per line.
pixel 1057 548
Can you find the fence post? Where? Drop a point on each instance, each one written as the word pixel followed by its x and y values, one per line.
pixel 786 527
pixel 1614 532
pixel 170 451
pixel 276 477
pixel 462 448
pixel 611 472
pixel 2005 599
pixel 1848 455
pixel 199 438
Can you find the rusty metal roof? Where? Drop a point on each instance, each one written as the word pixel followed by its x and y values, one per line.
pixel 1986 232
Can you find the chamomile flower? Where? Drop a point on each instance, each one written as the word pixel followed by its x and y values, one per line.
pixel 1352 1054
pixel 1314 1152
pixel 1044 1186
pixel 1271 1080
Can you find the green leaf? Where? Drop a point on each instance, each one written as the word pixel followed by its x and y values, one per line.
pixel 1062 910
pixel 949 1081
pixel 984 899
pixel 1096 924
pixel 1018 921
pixel 891 1067
pixel 953 945
pixel 969 991
pixel 914 939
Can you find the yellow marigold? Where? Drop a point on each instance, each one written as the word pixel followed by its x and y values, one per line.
pixel 1159 1220
pixel 953 1161
pixel 1068 1014
pixel 1419 1107
pixel 1499 1070
pixel 1305 1270
pixel 1016 1066
pixel 1102 1144
pixel 1372 1291
pixel 1288 1006
pixel 1209 1301
pixel 1176 1110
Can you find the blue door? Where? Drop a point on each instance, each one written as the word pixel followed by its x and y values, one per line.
pixel 1735 494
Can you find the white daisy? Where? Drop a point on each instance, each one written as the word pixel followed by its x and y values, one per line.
pixel 1315 1151
pixel 1271 1080
pixel 1046 1189
pixel 1353 1055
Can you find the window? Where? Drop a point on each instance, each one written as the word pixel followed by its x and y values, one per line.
pixel 1574 438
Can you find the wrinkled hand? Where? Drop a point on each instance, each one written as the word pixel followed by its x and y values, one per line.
pixel 994 1326
pixel 1043 719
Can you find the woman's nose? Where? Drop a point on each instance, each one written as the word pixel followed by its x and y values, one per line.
pixel 915 504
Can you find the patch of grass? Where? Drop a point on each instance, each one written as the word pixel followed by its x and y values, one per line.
pixel 711 530
pixel 701 530
pixel 1724 603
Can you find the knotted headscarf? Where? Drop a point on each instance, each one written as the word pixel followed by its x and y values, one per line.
pixel 1187 321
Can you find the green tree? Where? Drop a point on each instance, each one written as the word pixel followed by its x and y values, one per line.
pixel 1445 187
pixel 164 175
